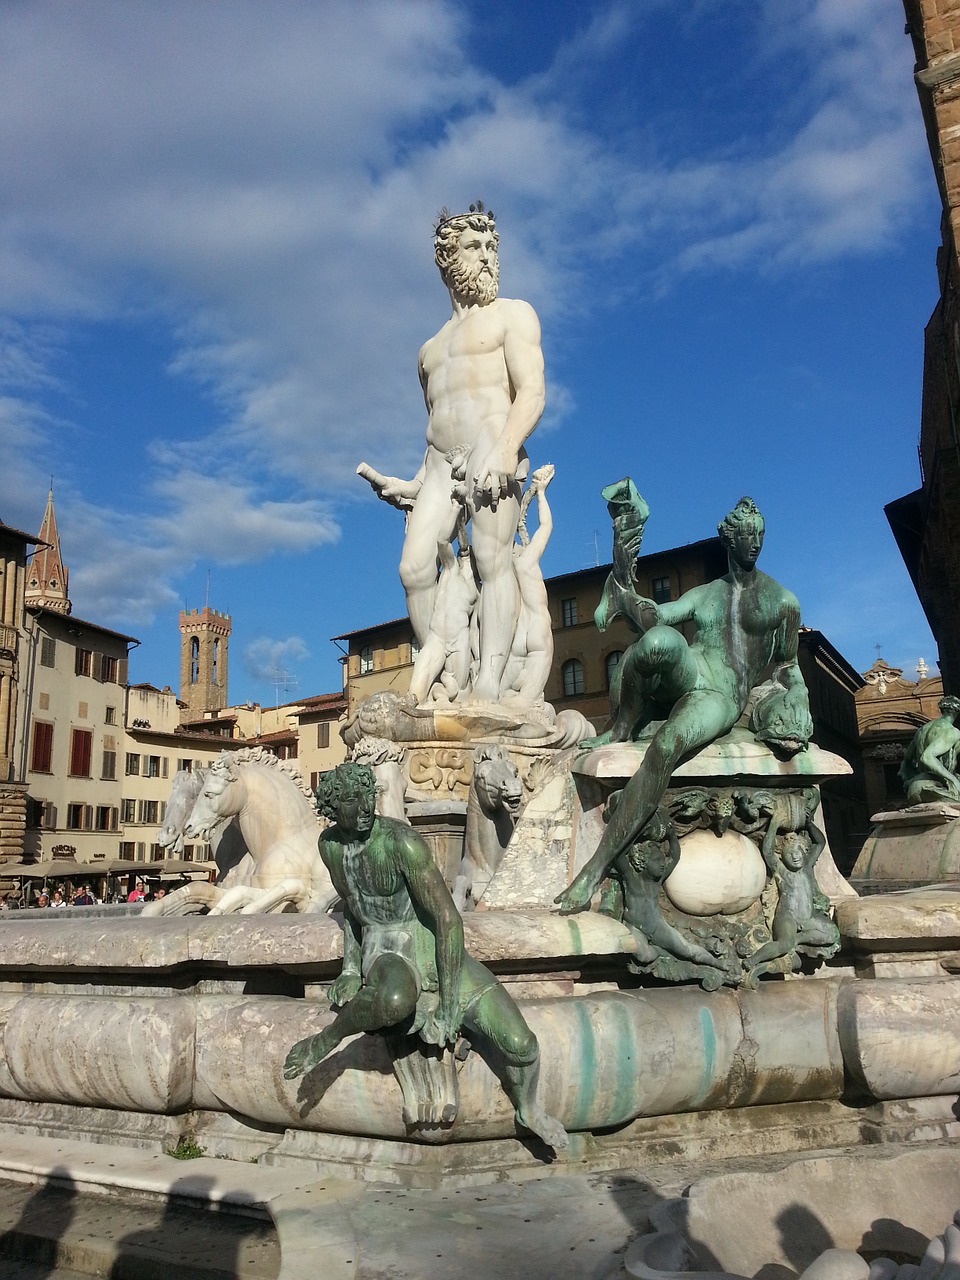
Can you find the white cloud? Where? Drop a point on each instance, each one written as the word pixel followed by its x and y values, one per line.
pixel 262 181
pixel 267 658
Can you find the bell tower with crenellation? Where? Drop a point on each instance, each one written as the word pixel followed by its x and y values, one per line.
pixel 204 639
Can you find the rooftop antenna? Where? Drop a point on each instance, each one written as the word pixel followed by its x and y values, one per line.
pixel 282 680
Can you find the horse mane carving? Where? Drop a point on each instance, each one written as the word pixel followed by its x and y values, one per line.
pixel 260 755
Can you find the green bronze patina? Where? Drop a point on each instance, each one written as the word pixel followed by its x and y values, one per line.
pixel 745 623
pixel 929 769
pixel 404 963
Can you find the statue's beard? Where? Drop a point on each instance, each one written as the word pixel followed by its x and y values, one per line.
pixel 473 284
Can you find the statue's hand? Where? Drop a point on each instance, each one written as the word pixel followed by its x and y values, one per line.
pixel 344 989
pixel 497 472
pixel 399 493
pixel 440 1027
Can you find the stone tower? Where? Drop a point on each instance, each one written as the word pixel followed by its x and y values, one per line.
pixel 204 638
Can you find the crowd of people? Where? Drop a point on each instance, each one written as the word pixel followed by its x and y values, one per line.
pixel 83 896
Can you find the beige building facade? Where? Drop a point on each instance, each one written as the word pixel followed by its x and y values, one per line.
pixel 71 735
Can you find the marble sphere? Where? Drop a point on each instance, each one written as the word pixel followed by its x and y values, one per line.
pixel 716 874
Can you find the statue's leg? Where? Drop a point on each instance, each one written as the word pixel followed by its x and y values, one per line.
pixel 629 703
pixel 235 899
pixel 499 610
pixel 427 667
pixel 287 891
pixel 432 520
pixel 496 1017
pixel 388 996
pixel 697 718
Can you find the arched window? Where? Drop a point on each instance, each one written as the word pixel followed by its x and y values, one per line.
pixel 216 655
pixel 194 660
pixel 366 659
pixel 612 662
pixel 572 671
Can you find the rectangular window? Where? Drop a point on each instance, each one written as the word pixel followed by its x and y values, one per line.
pixel 133 763
pixel 81 751
pixel 568 612
pixel 660 587
pixel 185 766
pixel 126 850
pixel 109 771
pixel 366 659
pixel 74 817
pixel 323 734
pixel 84 662
pixel 147 811
pixel 128 810
pixel 151 766
pixel 48 651
pixel 108 669
pixel 110 715
pixel 41 756
pixel 106 818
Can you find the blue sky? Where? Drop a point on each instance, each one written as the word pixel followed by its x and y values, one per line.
pixel 216 273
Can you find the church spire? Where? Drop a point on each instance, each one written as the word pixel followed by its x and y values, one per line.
pixel 47 575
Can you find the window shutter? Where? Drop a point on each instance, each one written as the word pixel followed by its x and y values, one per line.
pixel 122 671
pixel 88 817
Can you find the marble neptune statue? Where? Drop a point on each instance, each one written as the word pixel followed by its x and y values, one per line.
pixel 482 379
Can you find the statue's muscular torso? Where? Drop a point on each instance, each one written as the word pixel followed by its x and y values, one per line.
pixel 463 369
pixel 741 629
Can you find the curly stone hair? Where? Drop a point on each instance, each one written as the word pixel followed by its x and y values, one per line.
pixel 745 512
pixel 330 786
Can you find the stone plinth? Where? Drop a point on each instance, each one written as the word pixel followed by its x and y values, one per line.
pixel 919 845
pixel 562 824
pixel 440 823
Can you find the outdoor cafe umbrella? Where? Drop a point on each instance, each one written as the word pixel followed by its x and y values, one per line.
pixel 52 868
pixel 162 869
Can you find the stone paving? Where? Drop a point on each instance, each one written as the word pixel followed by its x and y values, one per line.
pixel 69 1209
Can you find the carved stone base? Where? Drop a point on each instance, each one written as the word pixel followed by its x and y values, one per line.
pixel 914 846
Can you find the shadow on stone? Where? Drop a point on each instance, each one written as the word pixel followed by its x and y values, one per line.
pixel 44 1220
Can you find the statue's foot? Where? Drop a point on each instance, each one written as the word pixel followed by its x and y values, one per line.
pixel 602 740
pixel 305 1055
pixel 546 1128
pixel 485 690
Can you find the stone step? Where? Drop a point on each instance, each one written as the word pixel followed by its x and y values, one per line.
pixel 47 1226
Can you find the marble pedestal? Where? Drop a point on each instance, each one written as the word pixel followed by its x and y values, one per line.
pixel 562 824
pixel 907 847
